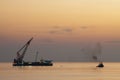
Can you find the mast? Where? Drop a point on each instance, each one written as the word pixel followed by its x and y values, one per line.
pixel 97 52
pixel 36 56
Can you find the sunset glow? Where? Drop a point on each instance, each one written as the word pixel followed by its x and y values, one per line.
pixel 59 21
pixel 96 18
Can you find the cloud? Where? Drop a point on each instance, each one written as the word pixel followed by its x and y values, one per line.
pixel 112 41
pixel 56 27
pixel 67 30
pixel 53 32
pixel 60 30
pixel 47 40
pixel 83 27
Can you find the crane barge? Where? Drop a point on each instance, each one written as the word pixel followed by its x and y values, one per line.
pixel 18 61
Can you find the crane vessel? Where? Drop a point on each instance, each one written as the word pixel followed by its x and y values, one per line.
pixel 18 61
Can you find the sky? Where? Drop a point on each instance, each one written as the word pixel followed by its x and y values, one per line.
pixel 63 30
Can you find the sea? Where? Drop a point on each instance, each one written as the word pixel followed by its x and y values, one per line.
pixel 61 71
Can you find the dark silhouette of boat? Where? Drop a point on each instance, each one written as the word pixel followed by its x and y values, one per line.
pixel 98 50
pixel 44 63
pixel 18 61
pixel 100 65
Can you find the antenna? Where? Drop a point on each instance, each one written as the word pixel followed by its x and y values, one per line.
pixel 97 52
pixel 36 56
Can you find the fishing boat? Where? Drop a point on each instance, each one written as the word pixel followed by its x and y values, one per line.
pixel 99 51
pixel 18 61
pixel 100 65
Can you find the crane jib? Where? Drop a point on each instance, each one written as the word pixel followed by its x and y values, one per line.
pixel 24 49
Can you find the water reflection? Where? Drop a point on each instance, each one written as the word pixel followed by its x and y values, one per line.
pixel 61 71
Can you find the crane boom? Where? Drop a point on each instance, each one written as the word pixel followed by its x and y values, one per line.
pixel 26 44
pixel 20 57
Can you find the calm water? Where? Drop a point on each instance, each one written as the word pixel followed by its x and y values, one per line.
pixel 61 71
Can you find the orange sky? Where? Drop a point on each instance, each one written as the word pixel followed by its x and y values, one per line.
pixel 67 20
pixel 61 28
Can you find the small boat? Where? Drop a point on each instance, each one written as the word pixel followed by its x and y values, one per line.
pixel 18 61
pixel 100 65
pixel 98 50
